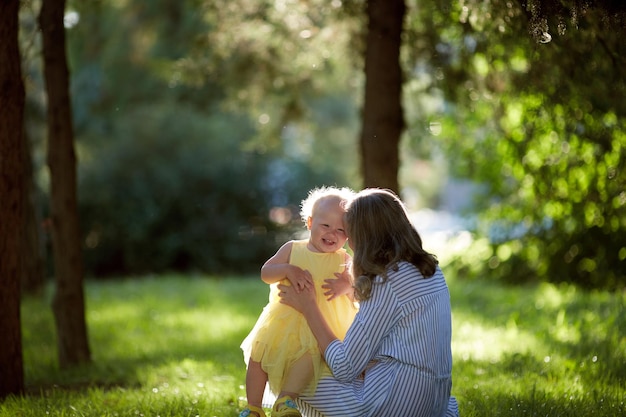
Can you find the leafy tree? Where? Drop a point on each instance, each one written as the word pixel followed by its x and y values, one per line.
pixel 163 155
pixel 538 120
pixel 470 69
pixel 157 199
pixel 275 55
pixel 284 63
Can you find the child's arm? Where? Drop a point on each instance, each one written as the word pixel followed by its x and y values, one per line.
pixel 278 268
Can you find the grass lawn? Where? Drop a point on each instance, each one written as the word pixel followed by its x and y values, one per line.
pixel 169 346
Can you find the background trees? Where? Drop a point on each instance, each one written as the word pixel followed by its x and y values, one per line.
pixel 223 130
pixel 200 125
pixel 539 122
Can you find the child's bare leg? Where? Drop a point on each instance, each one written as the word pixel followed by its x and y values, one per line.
pixel 298 377
pixel 256 378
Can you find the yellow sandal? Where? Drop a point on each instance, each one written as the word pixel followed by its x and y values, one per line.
pixel 285 407
pixel 250 410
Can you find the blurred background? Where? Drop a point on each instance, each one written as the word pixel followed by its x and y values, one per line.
pixel 201 125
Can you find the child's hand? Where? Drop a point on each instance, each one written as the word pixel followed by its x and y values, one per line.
pixel 300 279
pixel 342 285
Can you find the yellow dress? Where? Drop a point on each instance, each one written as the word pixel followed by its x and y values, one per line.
pixel 281 335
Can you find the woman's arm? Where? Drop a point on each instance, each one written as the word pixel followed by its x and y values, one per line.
pixel 367 335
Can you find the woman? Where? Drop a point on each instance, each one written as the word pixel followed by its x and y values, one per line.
pixel 396 357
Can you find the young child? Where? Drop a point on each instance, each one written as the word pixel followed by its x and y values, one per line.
pixel 280 349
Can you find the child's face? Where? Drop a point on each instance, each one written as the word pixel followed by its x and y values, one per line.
pixel 328 233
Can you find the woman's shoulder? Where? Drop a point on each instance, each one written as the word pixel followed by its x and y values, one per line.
pixel 431 282
pixel 407 271
pixel 406 266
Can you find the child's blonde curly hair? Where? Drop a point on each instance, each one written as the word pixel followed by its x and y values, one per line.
pixel 309 204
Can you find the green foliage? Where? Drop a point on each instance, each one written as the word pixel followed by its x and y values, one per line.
pixel 173 175
pixel 538 121
pixel 540 126
pixel 289 66
pixel 166 197
pixel 169 346
pixel 175 191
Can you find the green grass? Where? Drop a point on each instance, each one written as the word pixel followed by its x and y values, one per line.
pixel 169 346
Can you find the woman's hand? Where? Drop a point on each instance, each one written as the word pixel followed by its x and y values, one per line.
pixel 299 300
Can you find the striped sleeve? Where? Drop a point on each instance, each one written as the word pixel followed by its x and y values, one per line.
pixel 374 321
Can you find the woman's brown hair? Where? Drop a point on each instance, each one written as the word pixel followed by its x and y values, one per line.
pixel 381 236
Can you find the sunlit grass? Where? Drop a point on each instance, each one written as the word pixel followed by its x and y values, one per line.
pixel 166 343
pixel 169 346
pixel 541 350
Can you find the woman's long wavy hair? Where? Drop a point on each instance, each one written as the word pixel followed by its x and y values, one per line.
pixel 381 235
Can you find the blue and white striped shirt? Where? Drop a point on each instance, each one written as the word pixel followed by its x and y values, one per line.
pixel 396 358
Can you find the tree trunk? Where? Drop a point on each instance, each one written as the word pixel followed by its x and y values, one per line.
pixel 383 119
pixel 68 304
pixel 12 98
